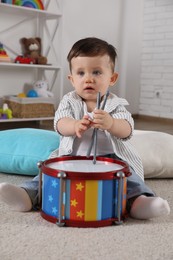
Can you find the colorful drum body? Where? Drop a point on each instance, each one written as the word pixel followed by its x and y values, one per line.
pixel 75 192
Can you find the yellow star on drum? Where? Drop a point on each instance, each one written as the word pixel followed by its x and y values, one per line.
pixel 80 214
pixel 79 186
pixel 74 202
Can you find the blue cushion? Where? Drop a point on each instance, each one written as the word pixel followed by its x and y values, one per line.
pixel 21 149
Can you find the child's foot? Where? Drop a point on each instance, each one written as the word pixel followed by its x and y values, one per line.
pixel 149 207
pixel 15 197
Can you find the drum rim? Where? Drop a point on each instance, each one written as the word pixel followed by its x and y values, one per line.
pixel 85 175
pixel 83 224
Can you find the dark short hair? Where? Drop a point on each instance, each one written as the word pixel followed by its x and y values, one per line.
pixel 92 47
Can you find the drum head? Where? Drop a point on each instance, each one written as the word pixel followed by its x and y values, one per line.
pixel 84 166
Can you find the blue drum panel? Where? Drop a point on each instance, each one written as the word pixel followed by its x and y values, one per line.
pixel 107 199
pixel 50 195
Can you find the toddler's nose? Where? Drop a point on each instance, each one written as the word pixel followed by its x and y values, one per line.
pixel 89 79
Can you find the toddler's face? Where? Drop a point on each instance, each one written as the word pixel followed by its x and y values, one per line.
pixel 91 75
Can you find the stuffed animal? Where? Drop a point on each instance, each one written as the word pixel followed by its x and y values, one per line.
pixel 41 87
pixel 31 47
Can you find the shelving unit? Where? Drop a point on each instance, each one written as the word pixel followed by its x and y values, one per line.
pixel 47 25
pixel 28 119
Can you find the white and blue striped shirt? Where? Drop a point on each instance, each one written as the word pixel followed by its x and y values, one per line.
pixel 72 106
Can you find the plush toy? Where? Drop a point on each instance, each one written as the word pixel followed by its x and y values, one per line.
pixel 41 87
pixel 31 47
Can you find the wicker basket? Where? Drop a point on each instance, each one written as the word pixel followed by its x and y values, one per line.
pixel 31 107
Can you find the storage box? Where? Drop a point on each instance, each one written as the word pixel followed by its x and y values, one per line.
pixel 31 107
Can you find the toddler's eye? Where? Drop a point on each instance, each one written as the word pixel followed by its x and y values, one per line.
pixel 96 72
pixel 80 73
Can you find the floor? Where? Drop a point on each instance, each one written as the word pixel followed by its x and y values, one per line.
pixel 48 124
pixel 154 124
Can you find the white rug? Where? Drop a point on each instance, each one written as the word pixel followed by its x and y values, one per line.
pixel 27 236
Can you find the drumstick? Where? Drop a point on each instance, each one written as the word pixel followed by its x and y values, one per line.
pixel 105 99
pixel 93 139
pixel 93 135
pixel 95 145
pixel 95 132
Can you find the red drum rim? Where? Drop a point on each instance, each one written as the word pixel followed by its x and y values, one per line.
pixel 82 224
pixel 85 175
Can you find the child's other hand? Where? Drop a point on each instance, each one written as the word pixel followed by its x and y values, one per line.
pixel 82 125
pixel 102 120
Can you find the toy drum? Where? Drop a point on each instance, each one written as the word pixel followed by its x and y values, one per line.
pixel 75 192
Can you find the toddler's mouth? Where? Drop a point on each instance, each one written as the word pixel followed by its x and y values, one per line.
pixel 89 88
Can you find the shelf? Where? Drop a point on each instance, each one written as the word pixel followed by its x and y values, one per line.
pixel 46 24
pixel 25 119
pixel 32 12
pixel 46 67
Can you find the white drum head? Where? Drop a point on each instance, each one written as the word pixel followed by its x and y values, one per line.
pixel 85 166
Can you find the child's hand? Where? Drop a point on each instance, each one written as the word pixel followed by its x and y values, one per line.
pixel 82 125
pixel 102 119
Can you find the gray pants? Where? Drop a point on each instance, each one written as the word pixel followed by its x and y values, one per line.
pixel 135 187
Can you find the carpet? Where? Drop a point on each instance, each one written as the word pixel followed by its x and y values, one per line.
pixel 26 236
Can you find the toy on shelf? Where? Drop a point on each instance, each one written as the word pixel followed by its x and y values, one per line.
pixel 32 94
pixel 41 87
pixel 31 48
pixel 21 95
pixel 24 60
pixel 3 54
pixel 37 4
pixel 5 112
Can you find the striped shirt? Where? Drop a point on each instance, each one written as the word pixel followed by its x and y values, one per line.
pixel 72 106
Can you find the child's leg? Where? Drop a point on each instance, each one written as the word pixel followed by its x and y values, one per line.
pixel 144 203
pixel 22 198
pixel 15 197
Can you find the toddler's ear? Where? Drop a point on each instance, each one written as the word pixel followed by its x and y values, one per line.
pixel 71 79
pixel 113 79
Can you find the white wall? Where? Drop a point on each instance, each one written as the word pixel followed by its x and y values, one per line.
pixel 120 23
pixel 98 18
pixel 156 97
pixel 130 52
